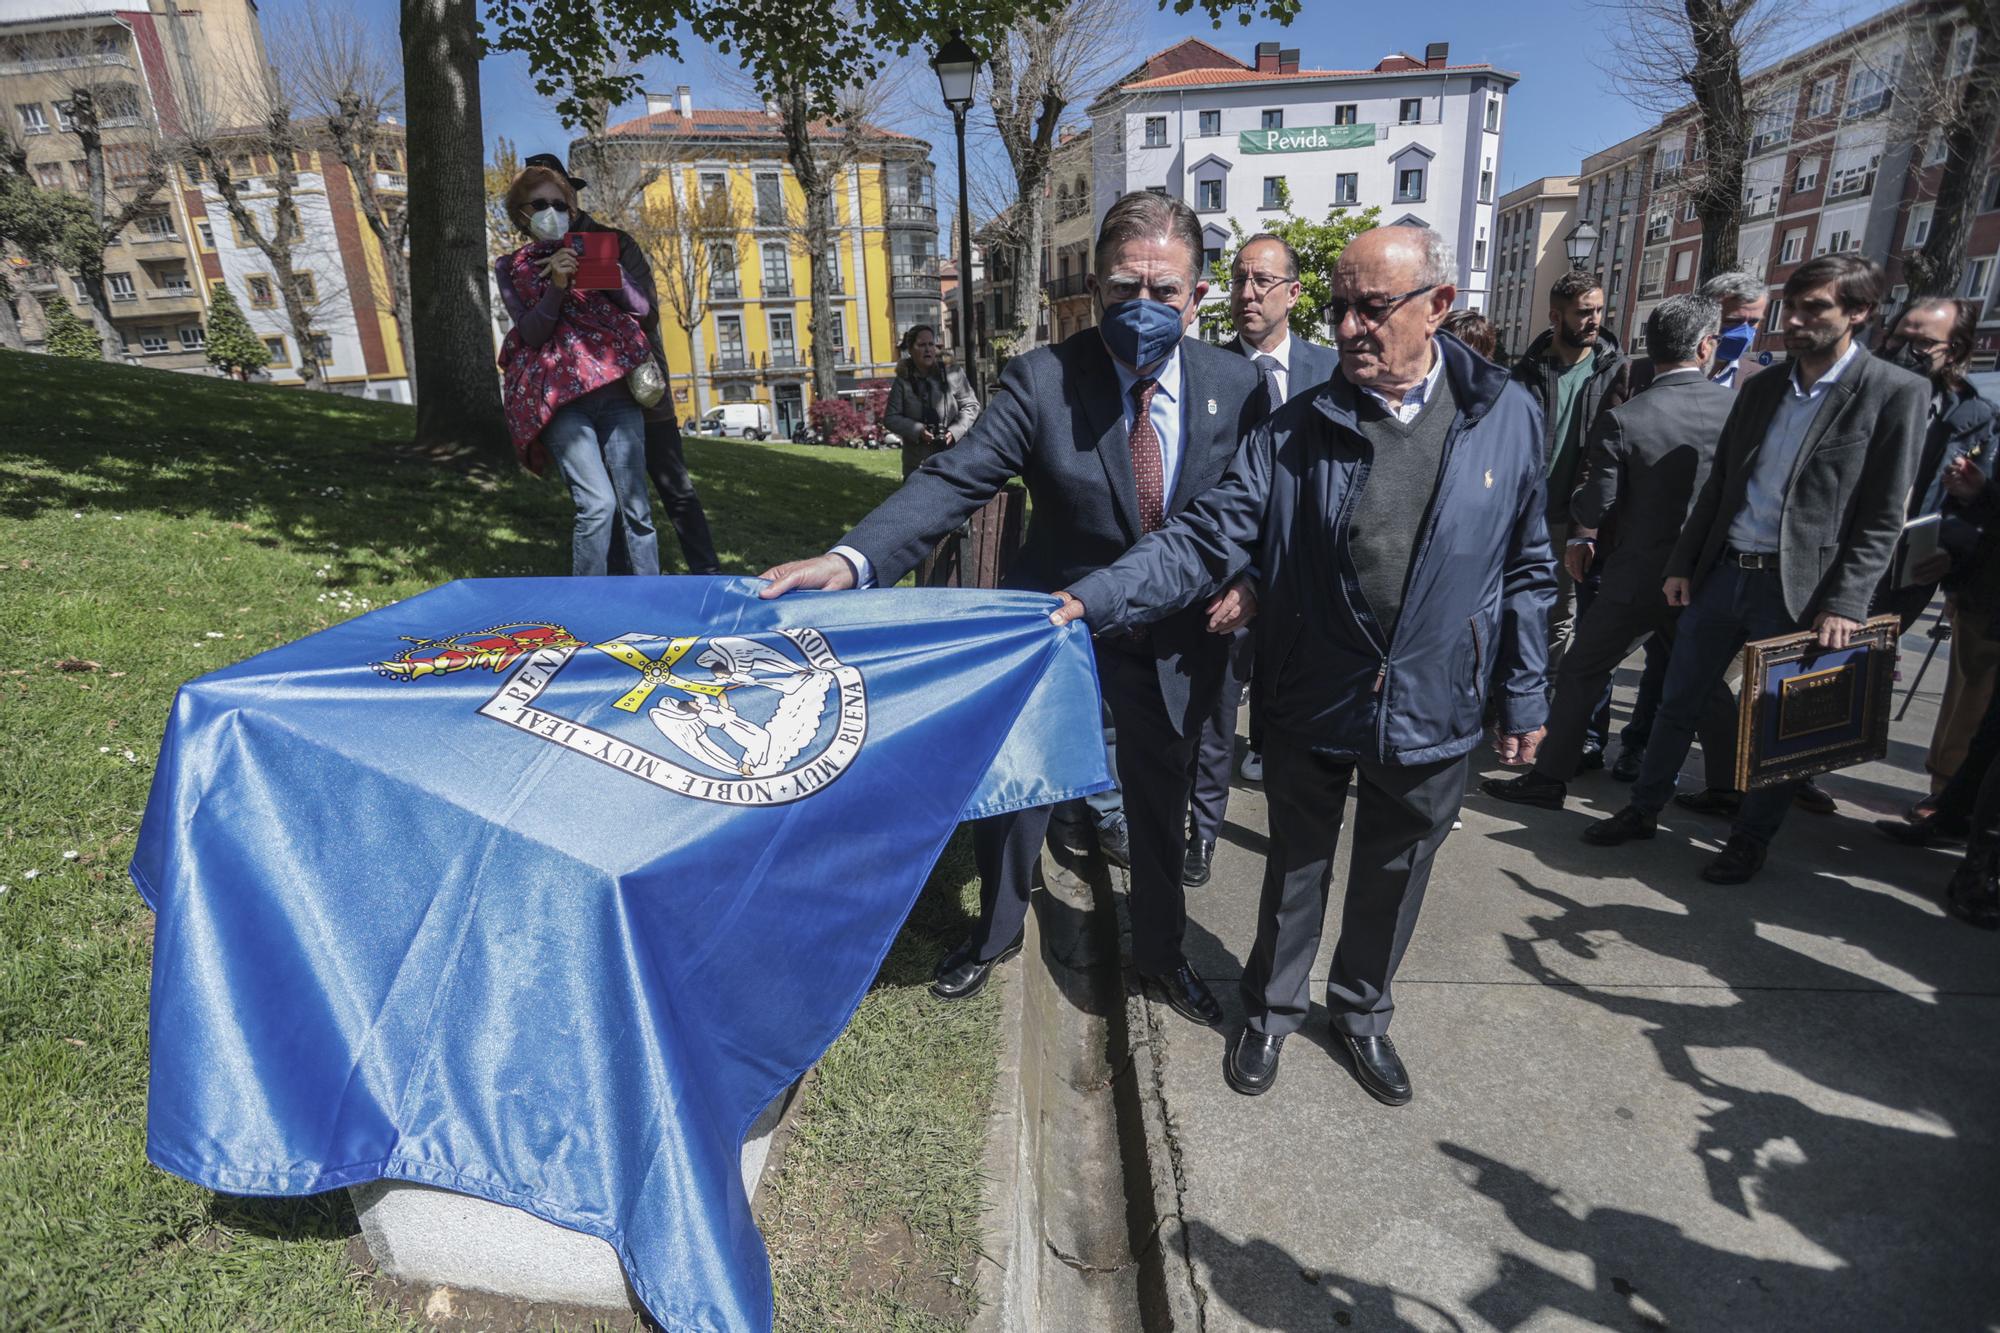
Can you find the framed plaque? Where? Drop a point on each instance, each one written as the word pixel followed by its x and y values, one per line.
pixel 1806 710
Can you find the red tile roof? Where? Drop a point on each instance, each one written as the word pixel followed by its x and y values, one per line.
pixel 733 125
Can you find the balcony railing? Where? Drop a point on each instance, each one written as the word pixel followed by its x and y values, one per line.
pixel 1071 206
pixel 783 358
pixel 718 292
pixel 915 282
pixel 901 212
pixel 1067 284
pixel 777 286
pixel 730 363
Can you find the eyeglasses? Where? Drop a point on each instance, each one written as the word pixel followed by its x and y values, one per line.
pixel 537 205
pixel 1371 311
pixel 1256 284
pixel 1923 346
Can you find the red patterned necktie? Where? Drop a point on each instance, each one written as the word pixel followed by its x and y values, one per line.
pixel 1149 471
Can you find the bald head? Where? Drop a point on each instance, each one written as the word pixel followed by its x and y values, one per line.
pixel 1391 288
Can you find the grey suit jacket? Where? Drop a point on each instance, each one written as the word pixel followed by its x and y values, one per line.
pixel 1646 461
pixel 1055 421
pixel 1844 499
pixel 1312 364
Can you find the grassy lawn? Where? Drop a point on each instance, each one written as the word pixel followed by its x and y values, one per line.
pixel 154 527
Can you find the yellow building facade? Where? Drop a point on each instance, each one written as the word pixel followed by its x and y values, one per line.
pixel 752 342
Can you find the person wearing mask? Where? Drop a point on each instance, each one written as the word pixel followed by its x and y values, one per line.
pixel 1648 460
pixel 666 459
pixel 1576 372
pixel 1263 290
pixel 1115 430
pixel 1744 299
pixel 931 405
pixel 565 365
pixel 1792 530
pixel 1395 522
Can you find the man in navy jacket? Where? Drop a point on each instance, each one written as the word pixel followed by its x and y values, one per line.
pixel 1395 519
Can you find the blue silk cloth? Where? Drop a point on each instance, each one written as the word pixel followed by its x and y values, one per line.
pixel 541 889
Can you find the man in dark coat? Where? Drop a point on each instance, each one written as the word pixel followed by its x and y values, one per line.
pixel 1395 521
pixel 1115 430
pixel 666 462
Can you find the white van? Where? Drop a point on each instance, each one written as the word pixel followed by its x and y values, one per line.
pixel 750 421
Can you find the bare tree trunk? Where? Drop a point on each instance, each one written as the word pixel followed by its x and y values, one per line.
pixel 816 181
pixel 451 317
pixel 1717 81
pixel 83 117
pixel 1939 267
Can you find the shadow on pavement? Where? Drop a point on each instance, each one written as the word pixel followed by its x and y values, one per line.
pixel 1268 1286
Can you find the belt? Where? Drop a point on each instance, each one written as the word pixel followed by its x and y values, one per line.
pixel 1750 559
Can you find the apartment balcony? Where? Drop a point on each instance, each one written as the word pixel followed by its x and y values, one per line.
pixel 1074 207
pixel 1765 142
pixel 916 282
pixel 1069 284
pixel 777 288
pixel 731 364
pixel 393 181
pixel 784 358
pixel 729 293
pixel 167 301
pixel 907 213
pixel 148 248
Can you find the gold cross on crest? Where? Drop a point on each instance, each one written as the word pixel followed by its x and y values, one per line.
pixel 655 673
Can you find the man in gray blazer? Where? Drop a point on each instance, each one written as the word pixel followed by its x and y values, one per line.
pixel 1263 289
pixel 1792 530
pixel 1646 462
pixel 1115 430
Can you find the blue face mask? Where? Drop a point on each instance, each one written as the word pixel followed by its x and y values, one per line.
pixel 1734 343
pixel 1140 332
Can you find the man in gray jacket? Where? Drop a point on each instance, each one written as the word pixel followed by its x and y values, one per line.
pixel 1792 530
pixel 1647 460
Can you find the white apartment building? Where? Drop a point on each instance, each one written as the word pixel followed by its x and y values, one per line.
pixel 1418 139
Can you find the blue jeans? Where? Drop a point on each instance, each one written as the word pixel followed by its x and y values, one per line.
pixel 599 442
pixel 1731 607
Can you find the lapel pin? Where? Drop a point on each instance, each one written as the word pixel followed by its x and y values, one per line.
pixel 1211 407
pixel 1489 479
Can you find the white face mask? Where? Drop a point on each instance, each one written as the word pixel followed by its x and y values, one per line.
pixel 548 225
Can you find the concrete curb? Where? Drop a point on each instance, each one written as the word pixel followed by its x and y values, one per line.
pixel 1005 1276
pixel 1169 1299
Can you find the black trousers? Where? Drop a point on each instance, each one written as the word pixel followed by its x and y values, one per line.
pixel 666 464
pixel 1152 766
pixel 1604 636
pixel 1215 749
pixel 1404 813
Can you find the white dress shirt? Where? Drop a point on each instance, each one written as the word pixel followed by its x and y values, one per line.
pixel 1282 354
pixel 1164 412
pixel 1413 401
pixel 1758 526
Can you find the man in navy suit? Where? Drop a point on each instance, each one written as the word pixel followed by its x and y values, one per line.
pixel 1263 289
pixel 1115 430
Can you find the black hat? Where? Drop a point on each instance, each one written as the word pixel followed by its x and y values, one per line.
pixel 555 164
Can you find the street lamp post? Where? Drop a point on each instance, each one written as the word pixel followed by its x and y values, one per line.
pixel 1580 245
pixel 957 66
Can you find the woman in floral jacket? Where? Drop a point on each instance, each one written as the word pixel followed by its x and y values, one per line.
pixel 565 363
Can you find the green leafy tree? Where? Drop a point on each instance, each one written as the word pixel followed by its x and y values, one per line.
pixel 68 335
pixel 1317 244
pixel 233 346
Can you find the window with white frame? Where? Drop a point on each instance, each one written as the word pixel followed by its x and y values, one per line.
pixel 33 119
pixel 784 340
pixel 1658 223
pixel 156 226
pixel 120 286
pixel 1978 277
pixel 152 340
pixel 1852 172
pixel 1688 213
pixel 1919 229
pixel 1964 46
pixel 1667 167
pixel 1839 240
pixel 1873 86
pixel 1774 314
pixel 117 105
pixel 1820 101
pixel 193 338
pixel 1806 177
pixel 777 269
pixel 1771 120
pixel 1683 265
pixel 1650 270
pixel 1936 150
pixel 1156 132
pixel 1794 247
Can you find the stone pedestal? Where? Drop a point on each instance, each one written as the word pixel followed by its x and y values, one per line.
pixel 420 1234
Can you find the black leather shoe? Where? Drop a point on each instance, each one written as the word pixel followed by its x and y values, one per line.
pixel 1200 857
pixel 1187 993
pixel 1116 843
pixel 961 975
pixel 1927 831
pixel 1711 801
pixel 1742 856
pixel 1378 1068
pixel 1528 789
pixel 1627 767
pixel 1591 759
pixel 1623 827
pixel 1252 1065
pixel 1811 798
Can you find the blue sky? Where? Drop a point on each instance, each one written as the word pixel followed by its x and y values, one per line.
pixel 1563 109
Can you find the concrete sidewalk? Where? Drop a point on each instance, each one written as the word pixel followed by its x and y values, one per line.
pixel 1642 1101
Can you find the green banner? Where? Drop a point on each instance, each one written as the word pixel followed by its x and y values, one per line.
pixel 1306 139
